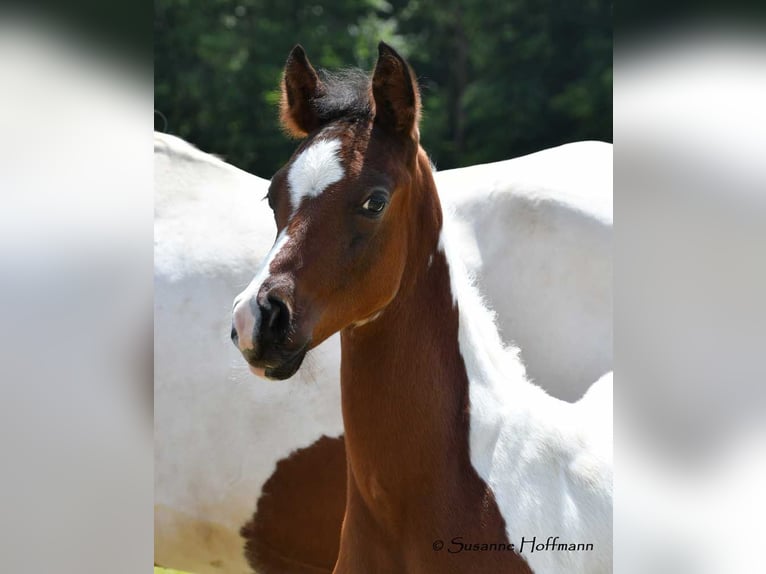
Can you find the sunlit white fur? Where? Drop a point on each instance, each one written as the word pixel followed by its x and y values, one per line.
pixel 548 462
pixel 219 431
pixel 314 170
pixel 547 216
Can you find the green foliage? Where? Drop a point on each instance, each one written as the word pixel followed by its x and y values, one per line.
pixel 498 79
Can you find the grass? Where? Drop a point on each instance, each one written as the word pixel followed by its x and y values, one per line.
pixel 158 570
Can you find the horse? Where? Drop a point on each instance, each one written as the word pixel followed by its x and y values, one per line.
pixel 446 438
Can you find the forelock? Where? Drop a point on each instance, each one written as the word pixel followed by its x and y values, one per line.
pixel 346 94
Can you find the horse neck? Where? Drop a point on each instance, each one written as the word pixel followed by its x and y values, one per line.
pixel 405 390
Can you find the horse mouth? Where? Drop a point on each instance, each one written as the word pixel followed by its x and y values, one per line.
pixel 282 368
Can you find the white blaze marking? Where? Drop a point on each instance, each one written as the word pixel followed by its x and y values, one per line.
pixel 245 321
pixel 314 170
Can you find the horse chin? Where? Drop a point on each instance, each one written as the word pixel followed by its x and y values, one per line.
pixel 285 369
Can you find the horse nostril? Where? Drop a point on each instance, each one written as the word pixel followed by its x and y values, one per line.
pixel 276 317
pixel 234 336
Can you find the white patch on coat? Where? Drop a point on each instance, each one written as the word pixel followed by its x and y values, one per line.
pixel 314 170
pixel 246 320
pixel 548 462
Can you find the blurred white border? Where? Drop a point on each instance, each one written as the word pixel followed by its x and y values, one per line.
pixel 76 304
pixel 690 311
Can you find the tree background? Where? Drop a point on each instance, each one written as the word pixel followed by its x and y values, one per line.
pixel 498 79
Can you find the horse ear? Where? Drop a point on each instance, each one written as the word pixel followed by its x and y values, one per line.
pixel 300 86
pixel 395 91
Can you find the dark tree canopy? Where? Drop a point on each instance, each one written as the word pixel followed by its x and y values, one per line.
pixel 498 79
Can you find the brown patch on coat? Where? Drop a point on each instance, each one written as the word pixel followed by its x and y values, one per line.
pixel 296 526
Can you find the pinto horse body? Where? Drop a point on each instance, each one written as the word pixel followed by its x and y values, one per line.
pixel 445 435
pixel 220 437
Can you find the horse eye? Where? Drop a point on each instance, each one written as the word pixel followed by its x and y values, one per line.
pixel 375 204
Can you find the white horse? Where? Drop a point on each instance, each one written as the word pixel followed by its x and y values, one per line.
pixel 219 432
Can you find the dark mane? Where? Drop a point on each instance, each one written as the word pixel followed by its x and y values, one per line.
pixel 346 94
